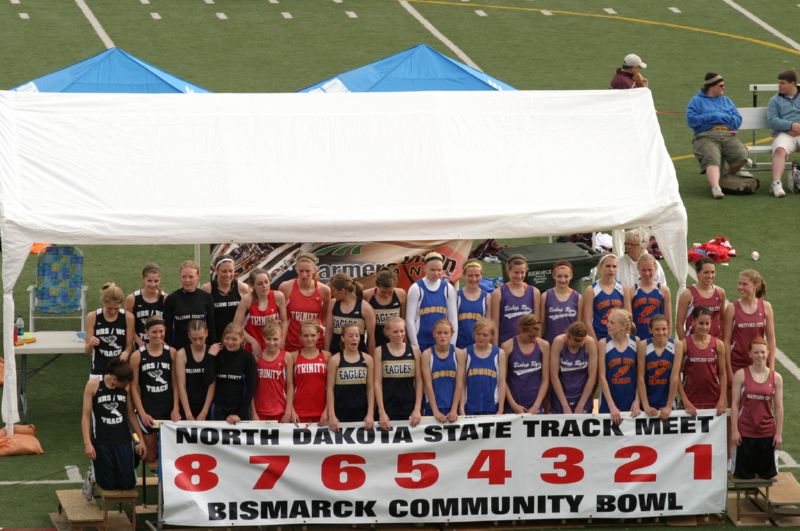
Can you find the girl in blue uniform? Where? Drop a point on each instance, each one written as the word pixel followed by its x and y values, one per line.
pixel 485 374
pixel 658 369
pixel 603 296
pixel 429 299
pixel 617 363
pixel 648 297
pixel 443 374
pixel 472 303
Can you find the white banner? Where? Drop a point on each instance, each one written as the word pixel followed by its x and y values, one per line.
pixel 519 467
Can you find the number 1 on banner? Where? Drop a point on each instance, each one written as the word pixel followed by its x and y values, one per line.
pixel 702 460
pixel 491 465
pixel 276 466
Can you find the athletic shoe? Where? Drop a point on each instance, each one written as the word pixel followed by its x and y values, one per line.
pixel 88 485
pixel 777 189
pixel 716 191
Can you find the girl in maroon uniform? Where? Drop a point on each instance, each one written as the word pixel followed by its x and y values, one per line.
pixel 307 377
pixel 755 428
pixel 704 293
pixel 271 399
pixel 306 299
pixel 257 309
pixel 705 378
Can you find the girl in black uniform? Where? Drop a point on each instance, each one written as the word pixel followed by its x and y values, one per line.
pixel 350 382
pixel 109 330
pixel 154 390
pixel 146 302
pixel 194 370
pixel 226 292
pixel 106 423
pixel 398 379
pixel 235 377
pixel 387 301
pixel 185 304
pixel 349 308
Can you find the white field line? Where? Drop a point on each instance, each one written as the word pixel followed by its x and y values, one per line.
pixel 546 12
pixel 222 16
pixel 351 14
pixel 480 12
pixel 786 460
pixel 788 363
pixel 73 476
pixel 438 34
pixel 24 16
pixel 763 24
pixel 155 16
pixel 286 15
pixel 98 28
pixel 674 9
pixel 610 10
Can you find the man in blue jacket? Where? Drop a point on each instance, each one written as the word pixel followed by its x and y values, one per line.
pixel 783 115
pixel 714 119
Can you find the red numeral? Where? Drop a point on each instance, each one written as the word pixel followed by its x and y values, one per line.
pixel 428 473
pixel 702 460
pixel 572 473
pixel 337 476
pixel 276 466
pixel 494 462
pixel 198 466
pixel 646 456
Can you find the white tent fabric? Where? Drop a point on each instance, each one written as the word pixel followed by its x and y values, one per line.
pixel 202 168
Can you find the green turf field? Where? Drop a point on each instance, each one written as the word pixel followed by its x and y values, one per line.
pixel 257 48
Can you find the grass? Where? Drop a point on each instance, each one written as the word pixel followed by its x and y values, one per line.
pixel 256 50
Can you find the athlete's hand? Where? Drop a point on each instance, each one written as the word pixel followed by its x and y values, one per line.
pixel 635 410
pixel 88 449
pixel 384 421
pixel 519 409
pixel 233 419
pixel 333 423
pixel 777 441
pixel 141 449
pixel 92 341
pixel 441 417
pixel 666 411
pixel 453 415
pixel 175 415
pixel 736 437
pixel 692 410
pixel 565 407
pixel 415 417
pixel 720 407
pixel 255 348
pixel 215 349
pixel 369 422
pixel 146 419
pixel 615 415
pixel 651 411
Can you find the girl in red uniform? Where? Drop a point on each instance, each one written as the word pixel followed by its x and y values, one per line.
pixel 705 378
pixel 306 299
pixel 307 377
pixel 704 293
pixel 749 317
pixel 258 308
pixel 755 428
pixel 350 382
pixel 271 399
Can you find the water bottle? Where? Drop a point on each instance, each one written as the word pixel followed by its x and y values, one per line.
pixel 20 326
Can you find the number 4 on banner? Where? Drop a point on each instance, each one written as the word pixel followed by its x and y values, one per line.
pixel 491 465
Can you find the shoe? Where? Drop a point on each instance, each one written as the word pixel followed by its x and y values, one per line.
pixel 776 188
pixel 716 191
pixel 88 485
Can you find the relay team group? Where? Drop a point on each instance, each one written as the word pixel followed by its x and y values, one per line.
pixel 311 352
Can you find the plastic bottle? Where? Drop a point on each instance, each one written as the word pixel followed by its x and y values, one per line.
pixel 20 327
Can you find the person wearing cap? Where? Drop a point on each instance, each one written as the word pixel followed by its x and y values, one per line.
pixel 783 115
pixel 715 119
pixel 629 76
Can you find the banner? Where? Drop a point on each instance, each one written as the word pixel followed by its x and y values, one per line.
pixel 360 260
pixel 512 467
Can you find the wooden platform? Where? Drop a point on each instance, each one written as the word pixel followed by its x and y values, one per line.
pixel 116 521
pixel 79 513
pixel 784 501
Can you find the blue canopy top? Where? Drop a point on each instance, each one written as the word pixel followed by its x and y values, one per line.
pixel 113 70
pixel 416 69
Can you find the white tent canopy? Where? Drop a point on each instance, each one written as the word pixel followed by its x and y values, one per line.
pixel 203 168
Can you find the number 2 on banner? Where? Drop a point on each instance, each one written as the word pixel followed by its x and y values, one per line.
pixel 491 465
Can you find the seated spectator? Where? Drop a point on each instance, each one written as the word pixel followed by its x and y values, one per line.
pixel 783 115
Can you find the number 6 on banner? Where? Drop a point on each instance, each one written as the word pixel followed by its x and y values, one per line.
pixel 333 468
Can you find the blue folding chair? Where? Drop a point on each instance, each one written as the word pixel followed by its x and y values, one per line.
pixel 59 286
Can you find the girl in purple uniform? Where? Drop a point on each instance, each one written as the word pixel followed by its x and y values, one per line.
pixel 514 299
pixel 561 305
pixel 528 374
pixel 573 371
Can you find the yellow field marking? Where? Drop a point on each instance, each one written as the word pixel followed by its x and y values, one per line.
pixel 614 17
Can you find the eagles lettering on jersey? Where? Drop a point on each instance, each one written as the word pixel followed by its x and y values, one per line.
pixel 340 322
pixel 351 375
pixel 398 369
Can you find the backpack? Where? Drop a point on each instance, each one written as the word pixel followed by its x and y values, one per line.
pixel 739 184
pixel 794 178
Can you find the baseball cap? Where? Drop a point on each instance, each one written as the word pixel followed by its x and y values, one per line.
pixel 633 60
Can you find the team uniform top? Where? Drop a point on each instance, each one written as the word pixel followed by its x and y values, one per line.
pixel 110 415
pixel 257 318
pixel 746 327
pixel 432 307
pixel 512 308
pixel 310 380
pixel 602 306
pixel 620 375
pixel 350 389
pixel 559 315
pixel 236 383
pixel 700 374
pixel 481 397
pixel 469 312
pixel 113 336
pixel 183 306
pixel 645 305
pixel 397 381
pixel 524 375
pixel 199 376
pixel 443 379
pixel 755 410
pixel 341 319
pixel 301 308
pixel 658 369
pixel 225 306
pixel 155 382
pixel 382 314
pixel 270 397
pixel 713 303
pixel 573 373
pixel 143 310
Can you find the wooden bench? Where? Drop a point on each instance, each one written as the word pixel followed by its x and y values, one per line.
pixel 783 502
pixel 743 507
pixel 79 513
pixel 119 497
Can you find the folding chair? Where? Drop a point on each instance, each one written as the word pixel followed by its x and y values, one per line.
pixel 59 286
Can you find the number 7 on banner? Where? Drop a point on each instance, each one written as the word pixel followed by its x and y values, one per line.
pixel 276 466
